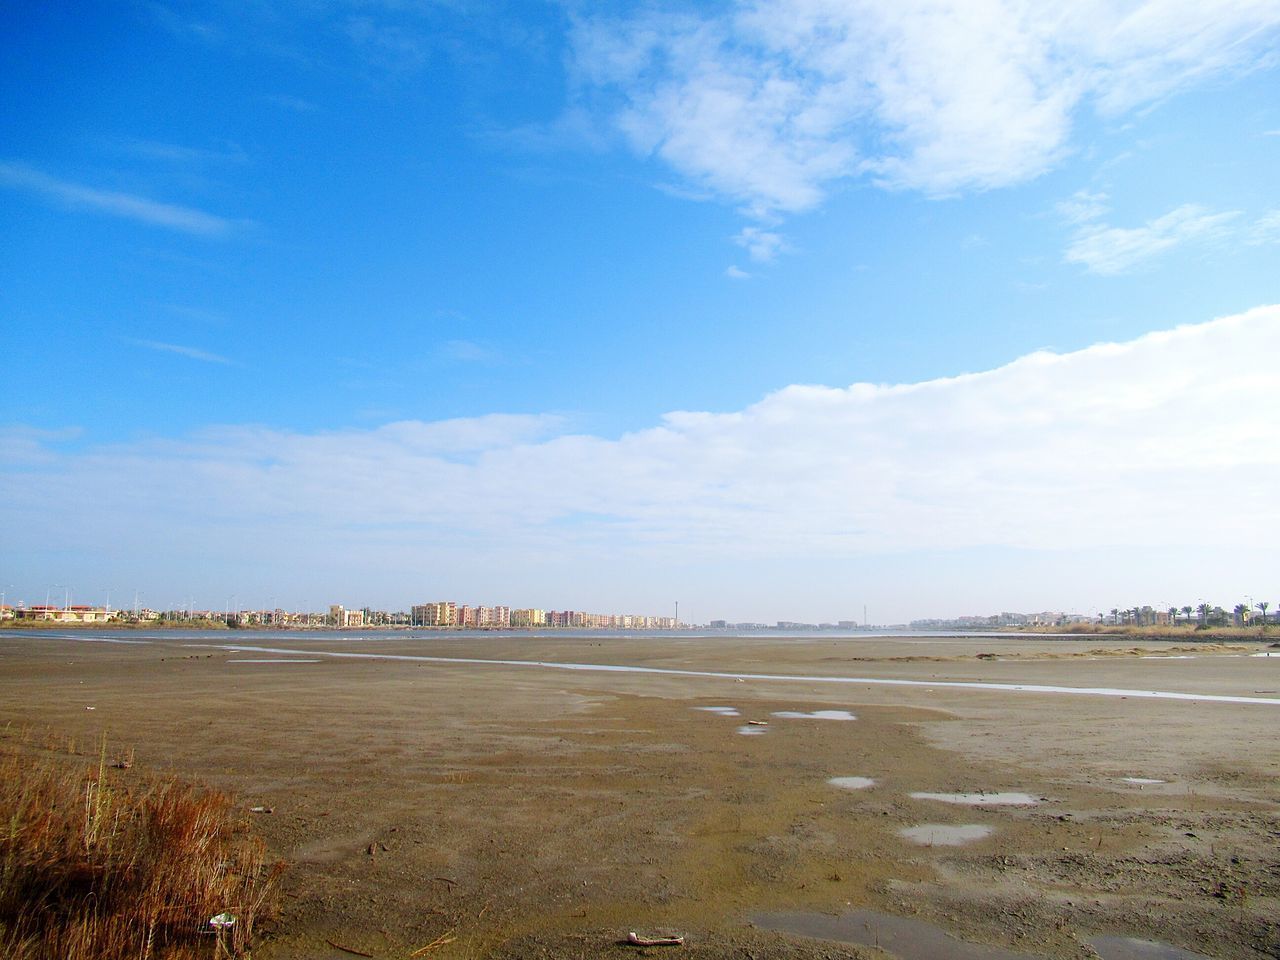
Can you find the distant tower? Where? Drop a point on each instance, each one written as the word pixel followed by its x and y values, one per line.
pixel 677 614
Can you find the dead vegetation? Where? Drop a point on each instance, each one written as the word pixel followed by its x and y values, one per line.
pixel 98 861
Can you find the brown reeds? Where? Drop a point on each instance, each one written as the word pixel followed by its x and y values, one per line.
pixel 101 864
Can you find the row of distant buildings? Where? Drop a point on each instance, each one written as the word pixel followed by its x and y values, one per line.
pixel 1203 614
pixel 447 613
pixel 443 613
pixel 787 625
pixel 78 613
pixel 1047 618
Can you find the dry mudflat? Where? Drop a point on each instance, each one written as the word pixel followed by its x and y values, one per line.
pixel 516 810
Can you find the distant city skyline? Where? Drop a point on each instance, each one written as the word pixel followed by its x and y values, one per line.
pixel 777 309
pixel 451 614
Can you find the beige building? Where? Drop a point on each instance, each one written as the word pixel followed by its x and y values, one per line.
pixel 340 616
pixel 72 614
pixel 443 613
pixel 528 618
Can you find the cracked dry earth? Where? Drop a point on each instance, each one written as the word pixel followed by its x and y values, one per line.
pixel 496 811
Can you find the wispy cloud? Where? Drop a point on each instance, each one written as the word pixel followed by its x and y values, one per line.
pixel 180 153
pixel 390 46
pixel 770 103
pixel 1266 229
pixel 1083 206
pixel 762 246
pixel 735 272
pixel 126 205
pixel 1109 250
pixel 22 446
pixel 289 102
pixel 467 351
pixel 190 352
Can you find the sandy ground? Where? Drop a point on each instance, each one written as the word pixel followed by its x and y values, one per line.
pixel 530 812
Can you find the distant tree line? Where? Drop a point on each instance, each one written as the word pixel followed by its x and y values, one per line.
pixel 1202 615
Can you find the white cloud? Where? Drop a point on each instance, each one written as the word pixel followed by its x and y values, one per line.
pixel 1111 250
pixel 771 103
pixel 762 246
pixel 391 46
pixel 1266 229
pixel 1148 442
pixel 736 272
pixel 190 352
pixel 1083 206
pixel 467 351
pixel 287 101
pixel 126 205
pixel 180 153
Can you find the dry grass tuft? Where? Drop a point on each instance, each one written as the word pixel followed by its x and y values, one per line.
pixel 97 862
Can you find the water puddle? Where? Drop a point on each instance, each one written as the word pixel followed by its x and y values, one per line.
pixel 721 711
pixel 981 799
pixel 1142 781
pixel 1131 948
pixel 816 715
pixel 904 937
pixel 852 783
pixel 751 730
pixel 946 834
pixel 273 661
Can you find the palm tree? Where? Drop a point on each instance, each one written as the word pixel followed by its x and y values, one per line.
pixel 1173 615
pixel 1115 616
pixel 1203 609
pixel 1240 614
pixel 1262 605
pixel 1186 612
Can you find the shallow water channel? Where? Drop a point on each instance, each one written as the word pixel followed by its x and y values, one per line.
pixel 904 937
pixel 910 939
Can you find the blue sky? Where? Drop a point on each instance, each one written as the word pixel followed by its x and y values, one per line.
pixel 377 301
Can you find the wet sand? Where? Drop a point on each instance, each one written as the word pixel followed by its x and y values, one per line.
pixel 534 811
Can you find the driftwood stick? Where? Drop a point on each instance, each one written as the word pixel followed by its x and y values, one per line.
pixel 636 940
pixel 351 950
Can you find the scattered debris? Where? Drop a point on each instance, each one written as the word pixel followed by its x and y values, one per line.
pixel 262 809
pixel 439 941
pixel 122 763
pixel 452 883
pixel 350 950
pixel 636 940
pixel 758 723
pixel 223 921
